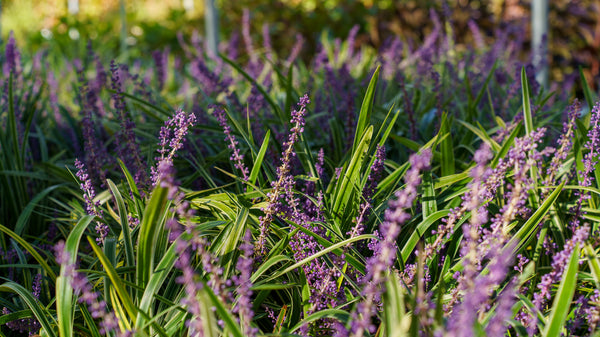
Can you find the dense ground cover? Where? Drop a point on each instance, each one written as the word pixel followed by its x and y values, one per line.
pixel 410 190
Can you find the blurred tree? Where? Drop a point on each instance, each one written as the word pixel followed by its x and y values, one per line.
pixel 574 25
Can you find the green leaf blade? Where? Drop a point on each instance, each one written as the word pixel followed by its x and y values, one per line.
pixel 564 296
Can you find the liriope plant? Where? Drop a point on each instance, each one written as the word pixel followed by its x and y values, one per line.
pixel 386 202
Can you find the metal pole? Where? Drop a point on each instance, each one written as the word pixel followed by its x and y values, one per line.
pixel 123 15
pixel 539 32
pixel 73 6
pixel 211 23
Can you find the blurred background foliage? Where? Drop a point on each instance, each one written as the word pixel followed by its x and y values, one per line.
pixel 154 24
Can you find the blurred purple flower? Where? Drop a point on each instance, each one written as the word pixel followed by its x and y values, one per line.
pixel 96 152
pixel 503 313
pixel 390 55
pixel 210 80
pixel 471 201
pixel 246 32
pixel 477 294
pixel 243 306
pixel 477 37
pixel 296 49
pixel 161 62
pixel 268 47
pixel 12 57
pixel 84 291
pixel 232 46
pixel 384 253
pixel 351 41
pixel 127 146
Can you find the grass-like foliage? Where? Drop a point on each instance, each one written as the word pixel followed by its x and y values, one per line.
pixel 412 190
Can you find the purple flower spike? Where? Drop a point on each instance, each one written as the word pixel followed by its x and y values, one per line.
pixel 166 176
pixel 368 192
pixel 108 321
pixel 477 36
pixel 27 325
pixel 590 160
pixel 565 143
pixel 351 40
pixel 282 175
pixel 478 293
pixel 161 60
pixel 506 300
pixel 559 263
pixel 296 49
pixel 92 207
pixel 384 253
pixel 171 140
pixel 592 312
pixel 246 33
pixel 128 148
pixel 267 42
pixel 197 248
pixel 244 304
pixel 13 57
pixel 236 157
